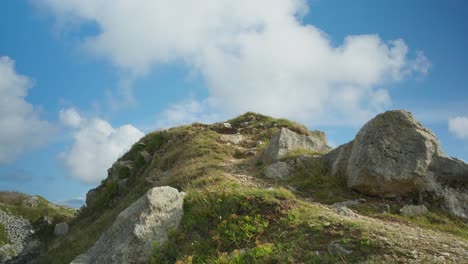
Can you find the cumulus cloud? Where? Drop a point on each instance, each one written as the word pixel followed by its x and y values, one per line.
pixel 253 55
pixel 459 127
pixel 187 112
pixel 70 117
pixel 22 128
pixel 96 145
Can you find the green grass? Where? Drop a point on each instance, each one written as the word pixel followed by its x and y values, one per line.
pixel 235 224
pixel 294 153
pixel 436 219
pixel 3 236
pixel 255 120
pixel 314 180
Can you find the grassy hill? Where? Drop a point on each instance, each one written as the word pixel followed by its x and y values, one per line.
pixel 234 215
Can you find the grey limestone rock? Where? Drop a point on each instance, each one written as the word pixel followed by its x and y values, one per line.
pixel 131 237
pixel 61 229
pixel 279 170
pixel 394 155
pixel 414 210
pixel 286 140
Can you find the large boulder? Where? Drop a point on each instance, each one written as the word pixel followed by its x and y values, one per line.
pixel 286 140
pixel 391 154
pixel 131 237
pixel 394 155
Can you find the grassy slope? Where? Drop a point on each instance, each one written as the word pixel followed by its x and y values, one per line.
pixel 14 203
pixel 230 220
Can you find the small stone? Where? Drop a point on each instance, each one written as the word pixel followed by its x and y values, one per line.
pixel 337 249
pixel 61 229
pixel 414 210
pixel 345 211
pixel 244 124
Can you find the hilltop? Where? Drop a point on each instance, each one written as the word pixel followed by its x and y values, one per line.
pixel 257 189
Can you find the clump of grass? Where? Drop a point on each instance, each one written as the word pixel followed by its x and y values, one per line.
pixel 294 153
pixel 314 180
pixel 3 236
pixel 436 219
pixel 256 120
pixel 220 220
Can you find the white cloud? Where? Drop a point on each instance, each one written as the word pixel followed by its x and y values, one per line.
pixel 459 127
pixel 253 55
pixel 70 117
pixel 188 112
pixel 22 128
pixel 96 146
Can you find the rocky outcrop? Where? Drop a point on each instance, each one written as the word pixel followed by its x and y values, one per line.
pixel 18 231
pixel 131 237
pixel 394 155
pixel 286 140
pixel 120 170
pixel 414 210
pixel 278 171
pixel 61 229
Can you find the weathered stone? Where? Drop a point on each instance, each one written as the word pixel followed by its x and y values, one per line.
pixel 450 171
pixel 120 170
pixel 391 154
pixel 234 139
pixel 338 250
pixel 91 197
pixel 286 140
pixel 414 210
pixel 146 156
pixel 131 237
pixel 345 211
pixel 279 170
pixel 61 229
pixel 244 124
pixel 224 128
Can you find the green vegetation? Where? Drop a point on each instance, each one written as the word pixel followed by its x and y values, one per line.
pixel 3 236
pixel 261 121
pixel 238 224
pixel 294 153
pixel 33 213
pixel 227 220
pixel 436 219
pixel 313 179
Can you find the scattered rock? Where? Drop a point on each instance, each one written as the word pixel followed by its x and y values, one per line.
pixel 234 139
pixel 414 210
pixel 91 197
pixel 146 156
pixel 345 211
pixel 131 237
pixel 338 250
pixel 244 124
pixel 394 155
pixel 31 201
pixel 279 170
pixel 285 140
pixel 120 170
pixel 61 229
pixel 18 231
pixel 224 128
pixel 346 203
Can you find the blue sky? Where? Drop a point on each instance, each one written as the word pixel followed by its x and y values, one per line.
pixel 82 80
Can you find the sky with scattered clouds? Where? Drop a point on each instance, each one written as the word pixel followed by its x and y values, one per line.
pixel 82 80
